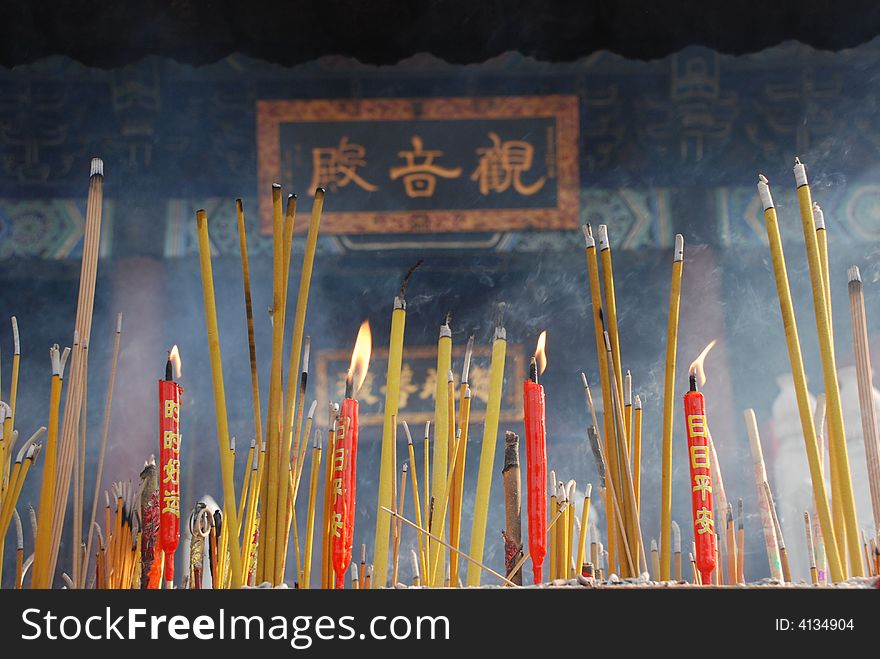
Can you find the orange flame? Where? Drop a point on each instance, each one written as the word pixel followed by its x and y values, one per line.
pixel 540 353
pixel 360 356
pixel 696 367
pixel 174 358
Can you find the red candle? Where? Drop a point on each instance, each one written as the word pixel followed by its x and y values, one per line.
pixel 701 480
pixel 536 460
pixel 169 473
pixel 344 466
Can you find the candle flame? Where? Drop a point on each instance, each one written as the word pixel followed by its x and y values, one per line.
pixel 174 358
pixel 540 353
pixel 360 356
pixel 696 367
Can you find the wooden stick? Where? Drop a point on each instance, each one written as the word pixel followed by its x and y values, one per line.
pixel 611 531
pixel 310 520
pixel 668 407
pixel 800 380
pixel 105 431
pixel 467 557
pixel 676 550
pixel 634 531
pixel 740 543
pixel 731 548
pixel 415 495
pixel 82 330
pixel 522 561
pixel 837 432
pixel 862 356
pixel 811 554
pixel 783 554
pixel 655 558
pixel 771 541
pixel 230 514
pixel 395 554
pixel 457 495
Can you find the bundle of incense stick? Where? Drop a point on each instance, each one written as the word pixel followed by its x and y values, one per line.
pixel 248 540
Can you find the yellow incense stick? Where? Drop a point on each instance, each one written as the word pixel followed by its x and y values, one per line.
pixel 41 577
pixel 310 520
pixel 605 382
pixel 800 381
pixel 457 494
pixel 582 539
pixel 637 451
pixel 392 403
pixel 668 409
pixel 440 460
pixel 230 514
pixel 487 454
pixel 837 432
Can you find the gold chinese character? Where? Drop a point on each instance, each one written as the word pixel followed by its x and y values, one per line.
pixel 697 425
pixel 420 173
pixel 700 457
pixel 171 469
pixel 172 503
pixel 704 523
pixel 336 167
pixel 171 440
pixel 337 489
pixel 407 386
pixel 172 410
pixel 338 458
pixel 703 485
pixel 337 525
pixel 429 385
pixel 502 164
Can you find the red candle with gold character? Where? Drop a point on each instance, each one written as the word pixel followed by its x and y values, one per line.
pixel 701 480
pixel 344 465
pixel 536 460
pixel 169 466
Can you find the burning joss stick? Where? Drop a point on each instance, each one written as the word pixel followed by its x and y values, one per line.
pixel 440 459
pixel 676 550
pixel 668 406
pixel 605 382
pixel 392 404
pixel 487 454
pixel 457 494
pixel 836 430
pixel 800 381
